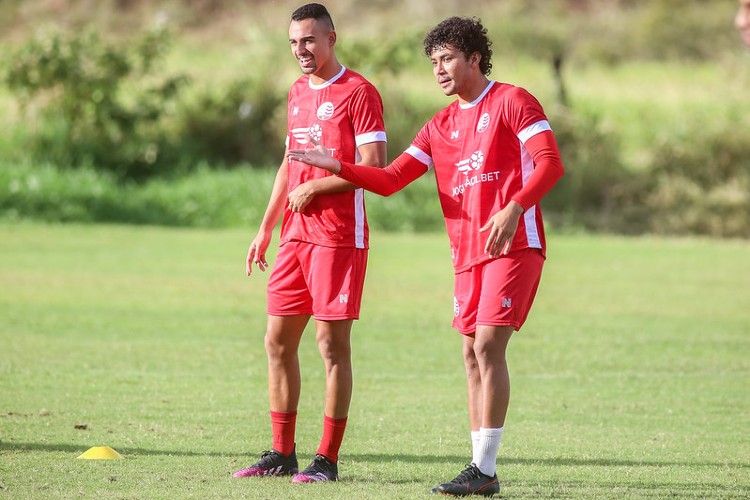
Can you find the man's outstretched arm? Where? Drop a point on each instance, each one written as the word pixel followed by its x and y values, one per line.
pixel 386 181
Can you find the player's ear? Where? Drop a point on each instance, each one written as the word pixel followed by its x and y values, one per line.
pixel 475 58
pixel 331 38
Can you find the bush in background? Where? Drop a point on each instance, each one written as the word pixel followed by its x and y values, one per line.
pixel 206 198
pixel 101 102
pixel 108 107
pixel 702 186
pixel 234 124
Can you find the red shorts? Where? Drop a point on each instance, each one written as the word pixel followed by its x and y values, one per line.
pixel 325 282
pixel 497 293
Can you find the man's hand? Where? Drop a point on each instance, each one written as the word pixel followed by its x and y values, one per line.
pixel 301 196
pixel 317 157
pixel 256 254
pixel 502 227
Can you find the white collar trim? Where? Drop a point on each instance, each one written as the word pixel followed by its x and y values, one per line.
pixel 481 96
pixel 329 82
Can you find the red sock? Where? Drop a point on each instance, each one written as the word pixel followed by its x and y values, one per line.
pixel 283 425
pixel 333 434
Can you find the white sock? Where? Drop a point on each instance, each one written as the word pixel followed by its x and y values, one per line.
pixel 489 442
pixel 474 446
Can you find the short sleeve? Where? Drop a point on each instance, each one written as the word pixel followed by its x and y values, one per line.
pixel 522 112
pixel 366 111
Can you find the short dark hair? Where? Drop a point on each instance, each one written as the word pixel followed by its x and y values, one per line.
pixel 313 11
pixel 465 34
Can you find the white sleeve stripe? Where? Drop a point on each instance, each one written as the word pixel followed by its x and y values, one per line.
pixel 369 137
pixel 533 129
pixel 419 155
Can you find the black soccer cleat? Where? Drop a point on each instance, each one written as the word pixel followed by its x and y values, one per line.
pixel 321 469
pixel 271 463
pixel 471 481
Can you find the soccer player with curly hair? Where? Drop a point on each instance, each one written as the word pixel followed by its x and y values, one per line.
pixel 495 157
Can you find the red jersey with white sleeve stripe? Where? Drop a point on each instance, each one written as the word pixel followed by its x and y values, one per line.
pixel 477 150
pixel 498 148
pixel 343 113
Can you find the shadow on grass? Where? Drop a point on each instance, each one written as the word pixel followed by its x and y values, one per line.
pixel 72 448
pixel 547 462
pixel 385 458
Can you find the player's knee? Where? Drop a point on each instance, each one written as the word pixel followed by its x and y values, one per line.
pixel 488 351
pixel 470 358
pixel 277 349
pixel 334 350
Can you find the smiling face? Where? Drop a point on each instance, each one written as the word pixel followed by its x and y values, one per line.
pixel 312 44
pixel 742 21
pixel 456 73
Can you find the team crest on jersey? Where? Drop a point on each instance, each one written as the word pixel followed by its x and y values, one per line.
pixel 303 134
pixel 484 122
pixel 473 162
pixel 325 111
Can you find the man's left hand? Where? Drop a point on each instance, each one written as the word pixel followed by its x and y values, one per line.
pixel 502 227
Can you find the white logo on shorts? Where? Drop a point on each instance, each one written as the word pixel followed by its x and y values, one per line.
pixel 343 298
pixel 456 309
pixel 506 302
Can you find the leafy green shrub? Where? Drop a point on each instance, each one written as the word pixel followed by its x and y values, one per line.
pixel 593 192
pixel 389 56
pixel 205 198
pixel 702 180
pixel 613 31
pixel 683 206
pixel 681 29
pixel 101 103
pixel 236 124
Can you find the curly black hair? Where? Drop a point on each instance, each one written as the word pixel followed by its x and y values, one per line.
pixel 465 34
pixel 313 11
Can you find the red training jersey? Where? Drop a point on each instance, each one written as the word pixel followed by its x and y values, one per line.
pixel 480 163
pixel 342 113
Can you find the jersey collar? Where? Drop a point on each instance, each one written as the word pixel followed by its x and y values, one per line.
pixel 329 82
pixel 481 96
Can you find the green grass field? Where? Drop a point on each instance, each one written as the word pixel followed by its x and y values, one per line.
pixel 630 380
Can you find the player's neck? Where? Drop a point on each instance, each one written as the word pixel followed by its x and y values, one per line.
pixel 473 90
pixel 326 72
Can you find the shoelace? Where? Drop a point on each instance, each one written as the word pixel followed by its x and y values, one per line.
pixel 469 473
pixel 267 456
pixel 319 464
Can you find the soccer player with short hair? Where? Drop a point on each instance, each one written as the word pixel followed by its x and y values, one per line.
pixel 495 157
pixel 322 257
pixel 742 21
